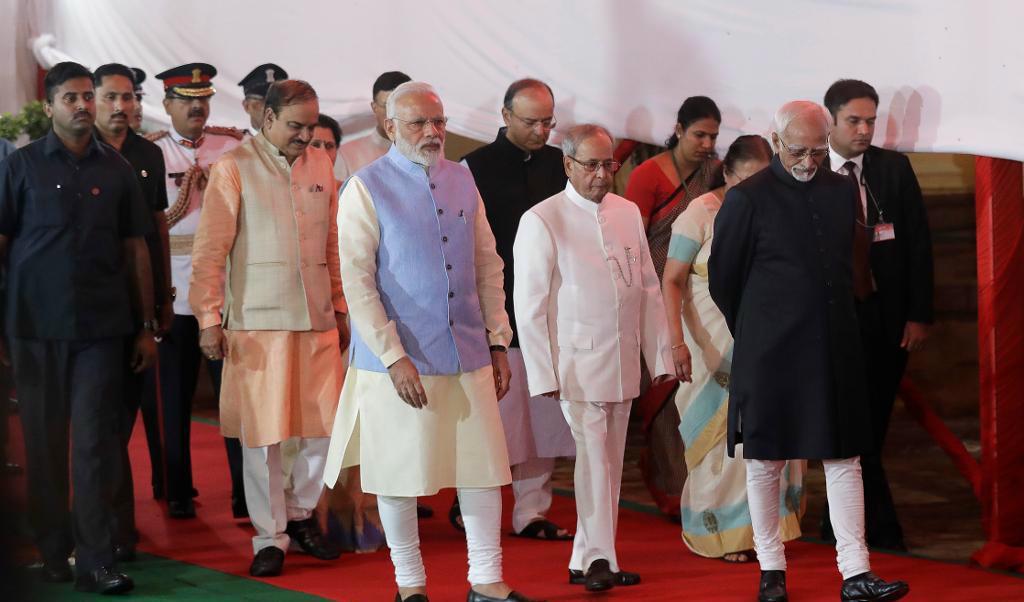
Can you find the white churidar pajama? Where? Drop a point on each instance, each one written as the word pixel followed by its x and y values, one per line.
pixel 844 488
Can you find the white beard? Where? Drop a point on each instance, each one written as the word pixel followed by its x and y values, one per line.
pixel 803 175
pixel 427 159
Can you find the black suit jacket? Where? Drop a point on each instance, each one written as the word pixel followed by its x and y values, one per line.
pixel 903 268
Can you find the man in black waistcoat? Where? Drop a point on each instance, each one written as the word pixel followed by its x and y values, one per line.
pixel 896 313
pixel 514 173
pixel 782 273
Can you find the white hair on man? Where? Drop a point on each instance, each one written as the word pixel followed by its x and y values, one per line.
pixel 578 133
pixel 404 90
pixel 795 108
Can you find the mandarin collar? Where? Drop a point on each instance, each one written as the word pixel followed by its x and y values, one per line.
pixel 787 178
pixel 409 166
pixel 509 148
pixel 581 202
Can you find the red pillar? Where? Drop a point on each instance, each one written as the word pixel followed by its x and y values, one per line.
pixel 999 200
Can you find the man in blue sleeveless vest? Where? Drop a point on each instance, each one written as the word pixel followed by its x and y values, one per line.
pixel 419 410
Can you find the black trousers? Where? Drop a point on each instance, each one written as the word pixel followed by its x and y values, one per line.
pixel 69 392
pixel 5 406
pixel 125 532
pixel 885 362
pixel 179 363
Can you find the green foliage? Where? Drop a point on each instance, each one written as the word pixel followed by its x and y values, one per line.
pixel 35 123
pixel 10 126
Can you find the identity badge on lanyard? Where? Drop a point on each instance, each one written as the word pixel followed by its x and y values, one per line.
pixel 883 230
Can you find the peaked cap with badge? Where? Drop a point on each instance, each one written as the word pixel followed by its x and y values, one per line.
pixel 191 80
pixel 258 81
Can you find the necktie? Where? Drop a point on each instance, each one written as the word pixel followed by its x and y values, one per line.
pixel 862 286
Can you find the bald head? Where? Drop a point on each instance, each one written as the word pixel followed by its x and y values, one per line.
pixel 801 137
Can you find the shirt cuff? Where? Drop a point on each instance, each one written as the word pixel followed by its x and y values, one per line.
pixel 392 355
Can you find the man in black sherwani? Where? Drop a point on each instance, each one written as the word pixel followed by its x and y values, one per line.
pixel 781 271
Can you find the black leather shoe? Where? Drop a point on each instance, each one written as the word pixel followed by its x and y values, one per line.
pixel 268 562
pixel 412 598
pixel 424 512
pixel 599 576
pixel 307 534
pixel 104 580
pixel 621 578
pixel 475 596
pixel 239 509
pixel 773 587
pixel 124 552
pixel 57 572
pixel 10 469
pixel 181 509
pixel 867 587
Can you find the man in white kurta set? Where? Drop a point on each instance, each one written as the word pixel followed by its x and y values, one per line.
pixel 587 302
pixel 419 408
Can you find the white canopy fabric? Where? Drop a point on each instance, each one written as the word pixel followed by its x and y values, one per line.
pixel 948 72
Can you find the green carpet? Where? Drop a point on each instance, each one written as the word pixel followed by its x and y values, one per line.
pixel 158 578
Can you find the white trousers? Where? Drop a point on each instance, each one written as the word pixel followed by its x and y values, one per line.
pixel 531 486
pixel 272 497
pixel 481 515
pixel 600 433
pixel 845 491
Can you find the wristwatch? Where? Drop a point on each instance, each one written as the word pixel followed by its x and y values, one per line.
pixel 500 348
pixel 151 325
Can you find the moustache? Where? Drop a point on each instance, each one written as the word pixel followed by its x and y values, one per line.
pixel 81 115
pixel 197 113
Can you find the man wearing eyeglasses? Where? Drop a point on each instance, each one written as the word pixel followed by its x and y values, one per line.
pixel 358 153
pixel 514 173
pixel 428 363
pixel 781 272
pixel 587 302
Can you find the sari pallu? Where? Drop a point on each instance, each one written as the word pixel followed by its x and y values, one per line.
pixel 661 459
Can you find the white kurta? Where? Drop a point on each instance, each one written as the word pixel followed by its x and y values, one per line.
pixel 457 439
pixel 587 299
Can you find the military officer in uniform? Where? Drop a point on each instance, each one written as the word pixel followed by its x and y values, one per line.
pixel 254 88
pixel 189 148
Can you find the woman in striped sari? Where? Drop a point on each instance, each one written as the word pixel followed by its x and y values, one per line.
pixel 715 517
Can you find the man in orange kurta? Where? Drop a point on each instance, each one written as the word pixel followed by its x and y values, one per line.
pixel 278 318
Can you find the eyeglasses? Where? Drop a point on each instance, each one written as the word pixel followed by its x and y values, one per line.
pixel 438 123
pixel 609 165
pixel 802 153
pixel 547 123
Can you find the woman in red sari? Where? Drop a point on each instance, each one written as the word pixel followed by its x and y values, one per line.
pixel 662 187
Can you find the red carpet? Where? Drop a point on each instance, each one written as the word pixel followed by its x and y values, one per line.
pixel 647 544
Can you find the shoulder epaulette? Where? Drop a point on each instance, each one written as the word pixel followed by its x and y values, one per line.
pixel 154 136
pixel 235 133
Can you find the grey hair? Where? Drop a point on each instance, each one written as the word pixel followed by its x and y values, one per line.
pixel 795 108
pixel 404 90
pixel 578 133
